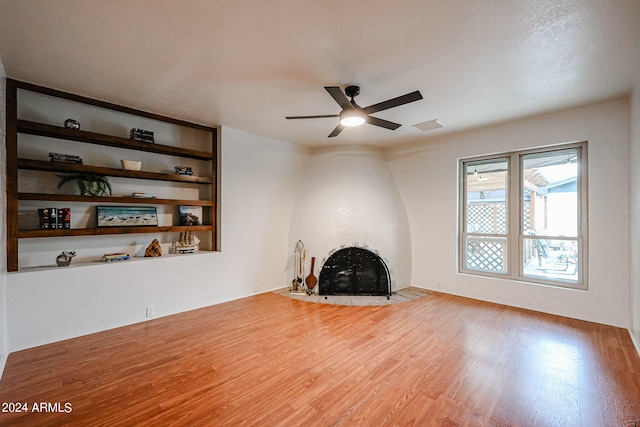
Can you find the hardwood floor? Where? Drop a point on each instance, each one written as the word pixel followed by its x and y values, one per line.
pixel 270 360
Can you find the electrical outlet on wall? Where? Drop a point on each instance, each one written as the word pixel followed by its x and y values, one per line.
pixel 151 312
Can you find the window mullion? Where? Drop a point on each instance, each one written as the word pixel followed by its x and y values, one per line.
pixel 514 203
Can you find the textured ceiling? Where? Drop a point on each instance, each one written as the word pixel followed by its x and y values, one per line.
pixel 248 64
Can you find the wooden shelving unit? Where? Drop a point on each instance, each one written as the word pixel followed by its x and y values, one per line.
pixel 50 131
pixel 109 230
pixel 111 199
pixel 17 126
pixel 64 167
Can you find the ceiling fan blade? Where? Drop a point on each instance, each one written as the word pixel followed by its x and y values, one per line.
pixel 336 131
pixel 395 102
pixel 312 117
pixel 382 123
pixel 339 97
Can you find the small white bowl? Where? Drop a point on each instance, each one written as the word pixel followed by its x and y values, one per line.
pixel 131 165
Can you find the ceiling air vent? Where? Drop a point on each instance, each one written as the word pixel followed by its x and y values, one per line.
pixel 429 125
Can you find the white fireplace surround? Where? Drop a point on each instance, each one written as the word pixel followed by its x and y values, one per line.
pixel 348 198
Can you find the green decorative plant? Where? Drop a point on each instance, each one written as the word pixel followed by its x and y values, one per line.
pixel 89 184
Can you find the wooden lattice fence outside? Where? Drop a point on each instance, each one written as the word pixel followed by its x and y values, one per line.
pixel 488 253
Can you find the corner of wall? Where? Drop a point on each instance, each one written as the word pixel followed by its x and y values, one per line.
pixel 3 238
pixel 634 215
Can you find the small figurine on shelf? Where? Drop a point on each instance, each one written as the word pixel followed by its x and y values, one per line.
pixel 188 243
pixel 64 259
pixel 72 124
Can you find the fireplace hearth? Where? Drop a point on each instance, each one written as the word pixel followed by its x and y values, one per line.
pixel 354 271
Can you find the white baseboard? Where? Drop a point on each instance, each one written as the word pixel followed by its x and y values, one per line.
pixel 3 361
pixel 635 340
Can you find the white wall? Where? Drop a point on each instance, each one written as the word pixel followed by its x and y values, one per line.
pixel 634 201
pixel 426 175
pixel 259 184
pixel 3 222
pixel 348 197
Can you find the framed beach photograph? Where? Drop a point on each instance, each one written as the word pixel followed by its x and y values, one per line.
pixel 190 215
pixel 126 216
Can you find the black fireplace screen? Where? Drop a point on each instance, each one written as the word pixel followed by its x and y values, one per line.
pixel 354 271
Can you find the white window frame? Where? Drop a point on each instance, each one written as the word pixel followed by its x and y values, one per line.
pixel 514 198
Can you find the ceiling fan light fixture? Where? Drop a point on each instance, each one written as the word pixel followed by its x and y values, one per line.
pixel 352 118
pixel 354 115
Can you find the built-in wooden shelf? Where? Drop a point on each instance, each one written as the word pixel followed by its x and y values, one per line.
pixel 17 126
pixel 100 261
pixel 111 199
pixel 40 165
pixel 110 230
pixel 41 129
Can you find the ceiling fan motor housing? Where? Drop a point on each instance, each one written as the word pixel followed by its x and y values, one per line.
pixel 352 91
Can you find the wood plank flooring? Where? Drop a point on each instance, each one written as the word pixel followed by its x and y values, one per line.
pixel 270 360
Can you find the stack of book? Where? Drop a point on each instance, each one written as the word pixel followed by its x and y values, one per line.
pixel 141 135
pixel 119 256
pixel 65 158
pixel 144 196
pixel 54 218
pixel 184 170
